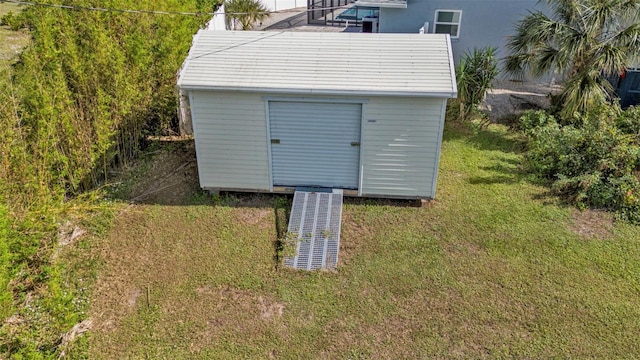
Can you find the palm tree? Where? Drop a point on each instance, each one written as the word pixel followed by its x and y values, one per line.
pixel 245 13
pixel 584 40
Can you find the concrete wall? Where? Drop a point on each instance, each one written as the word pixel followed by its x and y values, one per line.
pixel 277 5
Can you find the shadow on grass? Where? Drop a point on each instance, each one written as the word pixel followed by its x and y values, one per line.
pixel 508 173
pixel 164 174
pixel 506 169
pixel 382 202
pixel 167 174
pixel 483 138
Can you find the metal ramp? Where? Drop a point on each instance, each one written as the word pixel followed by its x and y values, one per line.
pixel 315 227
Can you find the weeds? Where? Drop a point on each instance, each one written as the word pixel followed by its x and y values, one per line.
pixel 284 244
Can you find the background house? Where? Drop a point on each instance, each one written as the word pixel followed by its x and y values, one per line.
pixel 471 23
pixel 628 87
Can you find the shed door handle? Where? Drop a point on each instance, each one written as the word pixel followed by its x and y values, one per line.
pixel 355 143
pixel 275 141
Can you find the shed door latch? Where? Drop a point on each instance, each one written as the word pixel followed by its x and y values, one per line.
pixel 275 141
pixel 355 143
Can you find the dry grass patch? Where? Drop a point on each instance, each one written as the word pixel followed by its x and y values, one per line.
pixel 592 224
pixel 181 265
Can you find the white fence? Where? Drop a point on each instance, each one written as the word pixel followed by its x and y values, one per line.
pixel 276 5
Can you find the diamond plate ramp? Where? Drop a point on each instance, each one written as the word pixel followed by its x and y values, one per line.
pixel 315 226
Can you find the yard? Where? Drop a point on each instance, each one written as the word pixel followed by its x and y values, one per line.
pixel 493 268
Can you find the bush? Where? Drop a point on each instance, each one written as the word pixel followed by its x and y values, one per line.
pixel 475 73
pixel 629 122
pixel 594 164
pixel 243 14
pixel 532 120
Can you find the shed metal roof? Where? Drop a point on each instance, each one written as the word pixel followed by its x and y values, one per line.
pixel 320 63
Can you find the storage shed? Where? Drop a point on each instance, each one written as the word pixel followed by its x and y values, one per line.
pixel 272 111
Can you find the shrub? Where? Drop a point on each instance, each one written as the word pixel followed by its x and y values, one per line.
pixel 243 14
pixel 629 122
pixel 475 73
pixel 532 120
pixel 594 164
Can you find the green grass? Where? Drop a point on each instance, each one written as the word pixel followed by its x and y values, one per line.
pixel 493 268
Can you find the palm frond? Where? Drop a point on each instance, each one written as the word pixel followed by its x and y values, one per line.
pixel 547 59
pixel 586 40
pixel 518 65
pixel 610 59
pixel 629 38
pixel 584 91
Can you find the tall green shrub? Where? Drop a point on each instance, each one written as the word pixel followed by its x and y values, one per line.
pixel 475 73
pixel 84 94
pixel 92 84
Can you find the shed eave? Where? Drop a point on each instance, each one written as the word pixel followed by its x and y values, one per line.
pixel 297 91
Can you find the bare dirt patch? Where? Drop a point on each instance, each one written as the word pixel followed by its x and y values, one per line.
pixel 592 224
pixel 172 176
pixel 255 216
pixel 512 98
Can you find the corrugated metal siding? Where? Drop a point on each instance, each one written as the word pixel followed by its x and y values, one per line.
pixel 399 142
pixel 400 150
pixel 321 63
pixel 231 140
pixel 315 143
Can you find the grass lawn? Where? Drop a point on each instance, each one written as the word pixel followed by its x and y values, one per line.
pixel 494 268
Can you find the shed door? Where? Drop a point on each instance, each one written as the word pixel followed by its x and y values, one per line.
pixel 315 143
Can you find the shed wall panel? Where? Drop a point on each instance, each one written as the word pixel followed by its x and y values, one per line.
pixel 400 146
pixel 231 140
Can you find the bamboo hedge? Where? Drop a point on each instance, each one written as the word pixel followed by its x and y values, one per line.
pixel 82 98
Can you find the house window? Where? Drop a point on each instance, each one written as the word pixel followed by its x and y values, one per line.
pixel 448 22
